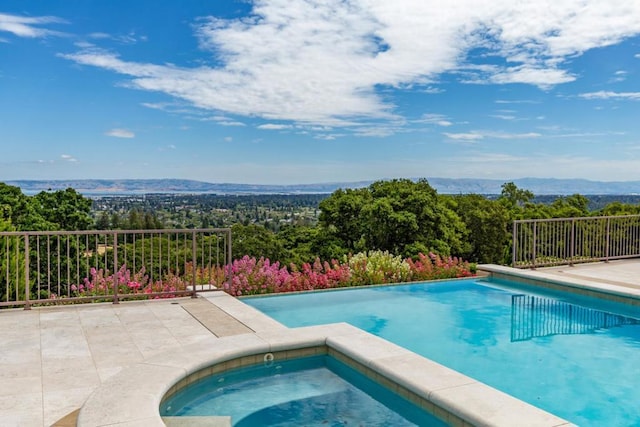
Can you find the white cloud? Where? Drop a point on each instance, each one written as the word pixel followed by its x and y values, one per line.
pixel 84 44
pixel 225 121
pixel 326 137
pixel 120 133
pixel 99 36
pixel 542 77
pixel 478 135
pixel 516 101
pixel 605 94
pixel 323 62
pixel 129 38
pixel 503 116
pixel 375 131
pixel 436 119
pixel 502 135
pixel 274 126
pixel 68 158
pixel 432 90
pixel 469 136
pixel 29 26
pixel 619 76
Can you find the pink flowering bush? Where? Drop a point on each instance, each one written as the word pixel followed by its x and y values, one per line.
pixel 101 283
pixel 377 267
pixel 434 266
pixel 251 276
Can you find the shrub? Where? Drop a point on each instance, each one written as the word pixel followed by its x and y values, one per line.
pixel 251 276
pixel 377 267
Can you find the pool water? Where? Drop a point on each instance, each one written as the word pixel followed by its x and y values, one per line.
pixel 576 357
pixel 310 391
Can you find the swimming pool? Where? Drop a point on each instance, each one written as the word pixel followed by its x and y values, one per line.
pixel 310 391
pixel 573 356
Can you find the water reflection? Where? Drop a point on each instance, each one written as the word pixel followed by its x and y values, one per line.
pixel 533 317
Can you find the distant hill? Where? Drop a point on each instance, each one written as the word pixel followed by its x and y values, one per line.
pixel 539 186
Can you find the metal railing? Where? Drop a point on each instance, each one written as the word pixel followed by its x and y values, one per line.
pixel 46 267
pixel 557 241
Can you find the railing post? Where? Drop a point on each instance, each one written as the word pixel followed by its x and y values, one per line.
pixel 533 244
pixel 194 257
pixel 606 252
pixel 115 268
pixel 27 279
pixel 514 242
pixel 573 241
pixel 230 260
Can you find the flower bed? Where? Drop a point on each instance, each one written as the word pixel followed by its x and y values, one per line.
pixel 251 276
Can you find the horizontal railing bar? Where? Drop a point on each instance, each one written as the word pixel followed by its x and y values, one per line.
pixel 102 232
pixel 581 218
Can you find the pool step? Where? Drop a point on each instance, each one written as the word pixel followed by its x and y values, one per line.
pixel 197 421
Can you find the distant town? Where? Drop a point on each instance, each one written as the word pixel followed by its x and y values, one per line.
pixel 539 186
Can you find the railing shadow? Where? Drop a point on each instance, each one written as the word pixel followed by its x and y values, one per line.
pixel 533 317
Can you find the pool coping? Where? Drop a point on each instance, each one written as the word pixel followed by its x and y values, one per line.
pixel 133 396
pixel 585 287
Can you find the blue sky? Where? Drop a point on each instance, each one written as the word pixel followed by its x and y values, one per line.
pixel 304 91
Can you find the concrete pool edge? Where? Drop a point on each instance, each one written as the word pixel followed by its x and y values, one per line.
pixel 590 288
pixel 133 397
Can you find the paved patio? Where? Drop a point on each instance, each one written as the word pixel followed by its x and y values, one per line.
pixel 53 358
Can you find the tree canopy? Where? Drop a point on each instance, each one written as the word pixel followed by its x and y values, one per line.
pixel 400 216
pixel 47 210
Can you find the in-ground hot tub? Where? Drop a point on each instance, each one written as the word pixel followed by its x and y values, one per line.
pixel 312 391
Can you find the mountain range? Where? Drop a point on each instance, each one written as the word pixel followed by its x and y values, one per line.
pixel 539 186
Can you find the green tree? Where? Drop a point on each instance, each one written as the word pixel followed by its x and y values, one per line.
pixel 572 206
pixel 340 215
pixel 298 243
pixel 619 208
pixel 151 221
pixel 400 216
pixel 256 241
pixel 18 209
pixel 116 221
pixel 135 220
pixel 514 197
pixel 487 223
pixel 103 222
pixel 67 209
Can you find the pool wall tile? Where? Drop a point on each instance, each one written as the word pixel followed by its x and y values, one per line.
pixel 310 336
pixel 197 421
